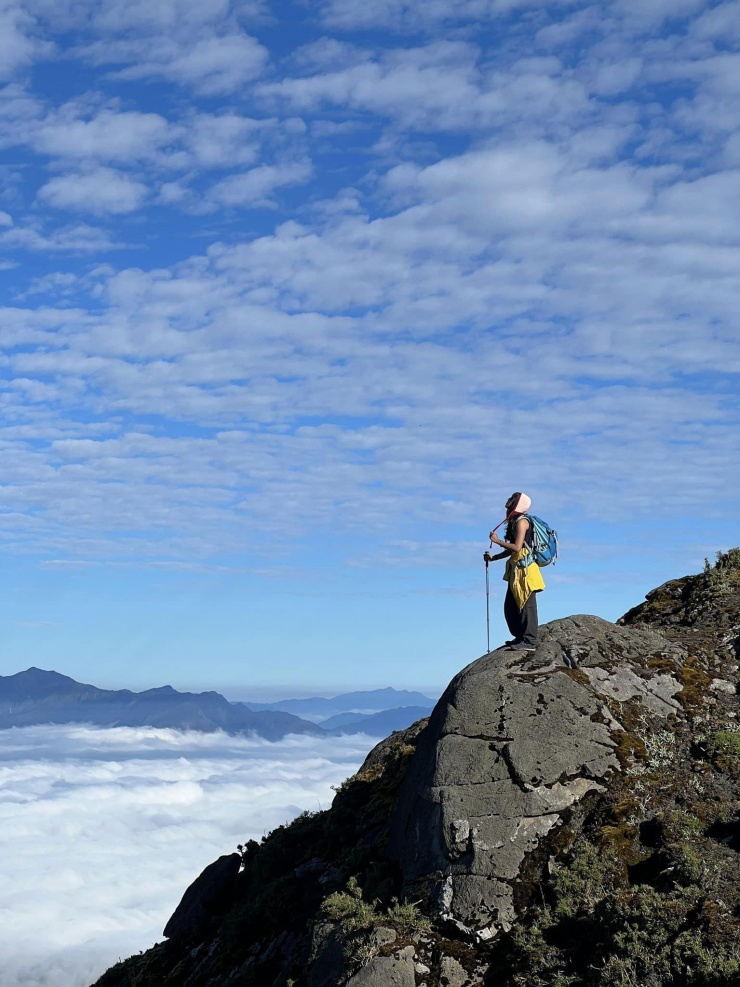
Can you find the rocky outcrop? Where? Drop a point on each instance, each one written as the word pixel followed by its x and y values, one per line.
pixel 564 817
pixel 387 971
pixel 207 896
pixel 513 744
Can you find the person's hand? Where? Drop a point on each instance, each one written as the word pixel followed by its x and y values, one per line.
pixel 487 557
pixel 495 538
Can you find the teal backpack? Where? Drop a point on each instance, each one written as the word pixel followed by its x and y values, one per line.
pixel 544 541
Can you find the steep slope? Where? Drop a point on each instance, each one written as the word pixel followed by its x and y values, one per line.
pixel 37 696
pixel 565 818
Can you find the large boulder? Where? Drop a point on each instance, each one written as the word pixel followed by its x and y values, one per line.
pixel 516 742
pixel 207 896
pixel 387 971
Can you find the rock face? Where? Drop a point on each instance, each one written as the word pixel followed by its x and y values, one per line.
pixel 206 896
pixel 512 745
pixel 387 971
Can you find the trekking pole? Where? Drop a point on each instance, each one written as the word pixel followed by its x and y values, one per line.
pixel 488 609
pixel 488 616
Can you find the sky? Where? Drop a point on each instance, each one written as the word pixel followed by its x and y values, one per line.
pixel 86 812
pixel 294 296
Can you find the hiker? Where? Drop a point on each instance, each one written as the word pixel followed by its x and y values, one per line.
pixel 522 574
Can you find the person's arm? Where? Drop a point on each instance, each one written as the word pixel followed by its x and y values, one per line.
pixel 521 532
pixel 494 558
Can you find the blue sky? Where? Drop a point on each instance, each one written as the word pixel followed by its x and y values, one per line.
pixel 294 296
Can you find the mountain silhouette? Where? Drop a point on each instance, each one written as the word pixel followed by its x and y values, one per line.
pixel 36 696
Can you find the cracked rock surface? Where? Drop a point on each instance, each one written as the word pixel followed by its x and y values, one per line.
pixel 512 745
pixel 387 971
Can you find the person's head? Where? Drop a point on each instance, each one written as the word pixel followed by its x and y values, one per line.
pixel 518 503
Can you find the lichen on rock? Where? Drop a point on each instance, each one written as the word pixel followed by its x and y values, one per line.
pixel 513 743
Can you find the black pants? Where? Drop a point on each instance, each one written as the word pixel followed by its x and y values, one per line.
pixel 523 624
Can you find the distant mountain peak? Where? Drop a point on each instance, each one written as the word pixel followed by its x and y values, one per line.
pixel 34 672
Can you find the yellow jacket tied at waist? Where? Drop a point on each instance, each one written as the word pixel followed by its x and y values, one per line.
pixel 523 581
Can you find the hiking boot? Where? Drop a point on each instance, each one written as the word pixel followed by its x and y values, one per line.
pixel 514 640
pixel 521 646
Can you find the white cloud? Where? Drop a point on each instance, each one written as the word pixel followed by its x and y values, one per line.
pixel 437 85
pixel 255 187
pixel 653 13
pixel 166 16
pixel 18 44
pixel 102 191
pixel 79 238
pixel 406 14
pixel 225 140
pixel 212 66
pixel 718 23
pixel 108 135
pixel 146 147
pixel 87 812
pixel 199 45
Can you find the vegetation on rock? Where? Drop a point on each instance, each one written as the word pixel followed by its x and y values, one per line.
pixel 649 892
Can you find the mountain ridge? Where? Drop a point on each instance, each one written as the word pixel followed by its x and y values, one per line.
pixel 375 724
pixel 39 696
pixel 362 701
pixel 36 696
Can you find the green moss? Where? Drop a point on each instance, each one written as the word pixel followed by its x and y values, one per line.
pixel 725 745
pixel 678 825
pixel 629 748
pixel 660 663
pixel 690 866
pixel 695 682
pixel 618 843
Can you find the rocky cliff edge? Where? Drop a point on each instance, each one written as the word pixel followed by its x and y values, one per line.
pixel 563 818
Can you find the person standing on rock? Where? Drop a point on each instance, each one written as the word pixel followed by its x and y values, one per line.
pixel 522 574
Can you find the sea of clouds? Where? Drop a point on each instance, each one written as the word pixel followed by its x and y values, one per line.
pixel 101 831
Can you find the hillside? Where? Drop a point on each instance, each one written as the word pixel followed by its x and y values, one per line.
pixel 563 819
pixel 39 696
pixel 375 724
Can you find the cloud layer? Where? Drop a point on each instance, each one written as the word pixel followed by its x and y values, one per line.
pixel 104 829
